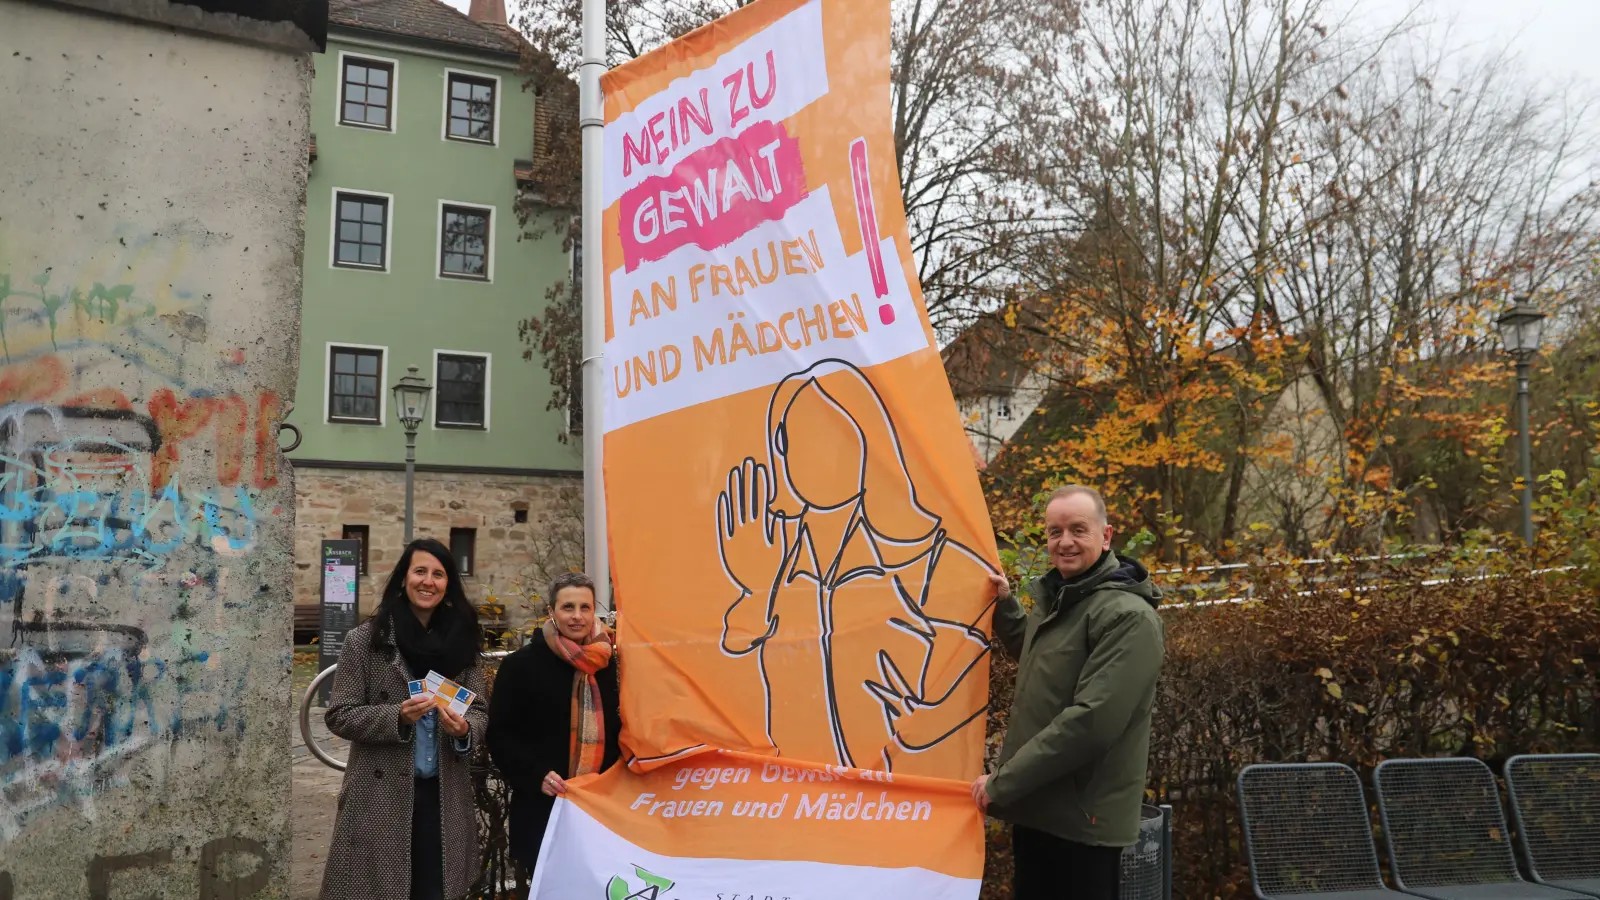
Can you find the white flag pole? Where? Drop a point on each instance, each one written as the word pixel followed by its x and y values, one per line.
pixel 591 121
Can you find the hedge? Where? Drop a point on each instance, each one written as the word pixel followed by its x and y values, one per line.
pixel 1354 670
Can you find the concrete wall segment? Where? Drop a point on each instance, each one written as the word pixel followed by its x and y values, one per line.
pixel 151 221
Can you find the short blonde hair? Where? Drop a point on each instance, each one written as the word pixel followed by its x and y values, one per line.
pixel 1072 490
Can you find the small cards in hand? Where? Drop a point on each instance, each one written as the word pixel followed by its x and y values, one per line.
pixel 447 693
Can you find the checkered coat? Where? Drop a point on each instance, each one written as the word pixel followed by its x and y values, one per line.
pixel 370 858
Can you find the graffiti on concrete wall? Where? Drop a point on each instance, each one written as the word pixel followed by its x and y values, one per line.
pixel 237 430
pixel 85 484
pixel 130 490
pixel 72 719
pixel 151 245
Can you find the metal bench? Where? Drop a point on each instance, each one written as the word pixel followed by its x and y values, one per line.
pixel 1307 834
pixel 1556 804
pixel 1447 834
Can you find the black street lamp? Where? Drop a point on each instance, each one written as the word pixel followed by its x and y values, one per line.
pixel 1521 330
pixel 411 405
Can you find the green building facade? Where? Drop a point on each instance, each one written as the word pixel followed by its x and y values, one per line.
pixel 415 257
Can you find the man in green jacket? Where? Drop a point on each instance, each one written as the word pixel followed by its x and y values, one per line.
pixel 1072 771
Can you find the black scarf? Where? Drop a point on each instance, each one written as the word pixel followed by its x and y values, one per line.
pixel 446 645
pixel 1057 585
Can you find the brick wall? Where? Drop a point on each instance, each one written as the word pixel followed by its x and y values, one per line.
pixel 508 552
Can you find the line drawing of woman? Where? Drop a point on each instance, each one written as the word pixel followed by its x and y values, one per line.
pixel 854 599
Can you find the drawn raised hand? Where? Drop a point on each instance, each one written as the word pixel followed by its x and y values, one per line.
pixel 750 540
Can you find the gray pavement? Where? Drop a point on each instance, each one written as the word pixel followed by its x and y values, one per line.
pixel 315 795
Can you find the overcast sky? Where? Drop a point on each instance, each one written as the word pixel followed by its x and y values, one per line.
pixel 1556 39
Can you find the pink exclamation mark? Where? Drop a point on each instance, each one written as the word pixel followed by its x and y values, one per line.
pixel 868 220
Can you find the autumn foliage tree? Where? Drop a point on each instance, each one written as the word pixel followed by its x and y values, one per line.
pixel 1275 311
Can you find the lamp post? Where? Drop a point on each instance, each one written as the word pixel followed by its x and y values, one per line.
pixel 411 403
pixel 1521 329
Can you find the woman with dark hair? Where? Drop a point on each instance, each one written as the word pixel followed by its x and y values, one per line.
pixel 407 823
pixel 553 714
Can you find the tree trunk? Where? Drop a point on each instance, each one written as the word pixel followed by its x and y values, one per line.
pixel 1230 508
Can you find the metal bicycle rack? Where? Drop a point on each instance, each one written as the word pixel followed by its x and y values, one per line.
pixel 305 722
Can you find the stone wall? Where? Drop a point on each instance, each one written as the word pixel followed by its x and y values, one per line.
pixel 151 204
pixel 509 553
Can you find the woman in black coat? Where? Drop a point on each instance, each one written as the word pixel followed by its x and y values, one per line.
pixel 564 680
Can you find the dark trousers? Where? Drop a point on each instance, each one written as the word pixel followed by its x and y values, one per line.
pixel 530 813
pixel 1049 868
pixel 427 842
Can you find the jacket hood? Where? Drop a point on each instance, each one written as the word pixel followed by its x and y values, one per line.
pixel 1135 579
pixel 1111 570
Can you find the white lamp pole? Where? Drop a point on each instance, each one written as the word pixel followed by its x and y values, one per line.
pixel 591 121
pixel 1521 330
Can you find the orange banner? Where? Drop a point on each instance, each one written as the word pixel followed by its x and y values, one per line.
pixel 743 806
pixel 799 545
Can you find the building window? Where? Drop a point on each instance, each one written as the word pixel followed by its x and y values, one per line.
pixel 464 546
pixel 471 112
pixel 358 533
pixel 464 243
pixel 575 376
pixel 463 391
pixel 362 231
pixel 355 385
pixel 575 399
pixel 367 89
pixel 1003 407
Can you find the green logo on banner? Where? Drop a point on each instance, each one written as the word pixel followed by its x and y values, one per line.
pixel 620 888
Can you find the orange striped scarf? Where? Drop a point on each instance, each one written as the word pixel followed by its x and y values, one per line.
pixel 588 729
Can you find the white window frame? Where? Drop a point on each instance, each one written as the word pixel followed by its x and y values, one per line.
pixel 567 410
pixel 388 231
pixel 444 118
pixel 488 390
pixel 327 383
pixel 438 242
pixel 394 94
